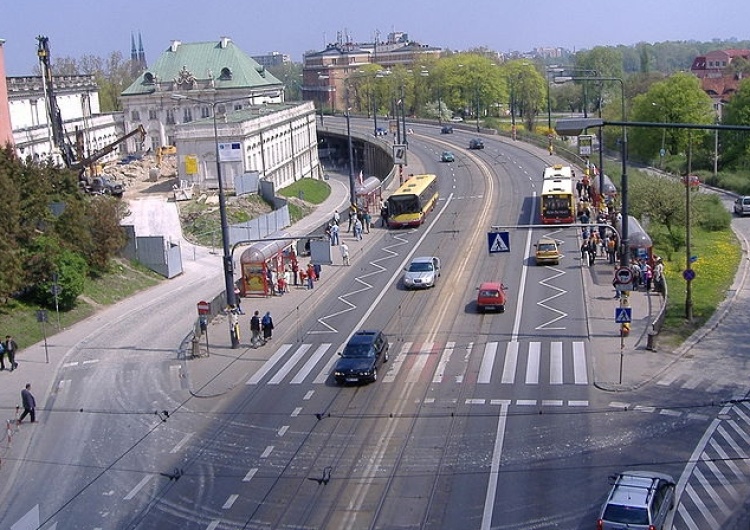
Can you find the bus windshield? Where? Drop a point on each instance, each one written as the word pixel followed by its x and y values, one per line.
pixel 400 204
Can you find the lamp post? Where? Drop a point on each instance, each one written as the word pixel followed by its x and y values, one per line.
pixel 625 251
pixel 662 151
pixel 227 257
pixel 352 191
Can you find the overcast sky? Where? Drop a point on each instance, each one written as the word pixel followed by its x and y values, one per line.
pixel 82 27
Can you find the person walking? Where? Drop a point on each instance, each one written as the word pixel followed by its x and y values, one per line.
pixel 267 325
pixel 29 404
pixel 345 253
pixel 334 235
pixel 10 347
pixel 366 221
pixel 358 229
pixel 310 276
pixel 384 215
pixel 2 356
pixel 255 339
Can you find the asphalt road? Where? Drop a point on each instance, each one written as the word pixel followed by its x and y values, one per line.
pixel 476 421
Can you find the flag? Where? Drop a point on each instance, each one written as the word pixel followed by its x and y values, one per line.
pixel 361 178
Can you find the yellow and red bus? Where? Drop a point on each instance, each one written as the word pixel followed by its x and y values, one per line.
pixel 412 201
pixel 558 201
pixel 558 171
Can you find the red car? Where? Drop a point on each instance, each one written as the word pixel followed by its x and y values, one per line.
pixel 491 297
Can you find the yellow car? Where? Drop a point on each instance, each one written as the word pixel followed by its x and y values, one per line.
pixel 547 251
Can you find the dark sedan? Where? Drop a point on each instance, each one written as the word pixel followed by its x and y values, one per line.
pixel 362 355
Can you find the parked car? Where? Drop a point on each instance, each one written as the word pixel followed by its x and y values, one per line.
pixel 446 130
pixel 491 297
pixel 447 156
pixel 457 119
pixel 476 143
pixel 422 273
pixel 547 251
pixel 638 500
pixel 361 357
pixel 742 205
pixel 104 185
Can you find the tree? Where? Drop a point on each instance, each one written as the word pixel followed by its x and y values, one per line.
pixel 736 145
pixel 528 91
pixel 677 99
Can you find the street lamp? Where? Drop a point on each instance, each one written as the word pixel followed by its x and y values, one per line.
pixel 227 258
pixel 598 122
pixel 352 191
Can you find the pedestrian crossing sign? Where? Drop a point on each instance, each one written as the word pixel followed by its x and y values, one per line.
pixel 498 242
pixel 623 315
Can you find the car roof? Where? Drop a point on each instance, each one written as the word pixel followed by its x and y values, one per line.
pixel 634 488
pixel 423 259
pixel 364 336
pixel 547 240
pixel 490 286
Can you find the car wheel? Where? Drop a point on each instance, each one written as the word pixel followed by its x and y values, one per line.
pixel 374 374
pixel 502 309
pixel 385 356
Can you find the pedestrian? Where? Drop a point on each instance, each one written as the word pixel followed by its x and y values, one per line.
pixel 585 252
pixel 255 330
pixel 281 284
pixel 2 356
pixel 345 253
pixel 334 235
pixel 592 251
pixel 384 214
pixel 358 229
pixel 267 325
pixel 310 276
pixel 367 220
pixel 287 279
pixel 336 217
pixel 317 268
pixel 29 404
pixel 10 347
pixel 352 216
pixel 295 272
pixel 238 300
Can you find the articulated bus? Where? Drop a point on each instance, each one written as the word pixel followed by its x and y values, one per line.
pixel 558 171
pixel 558 201
pixel 412 201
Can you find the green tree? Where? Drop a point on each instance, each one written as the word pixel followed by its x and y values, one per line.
pixel 103 215
pixel 677 99
pixel 736 145
pixel 528 90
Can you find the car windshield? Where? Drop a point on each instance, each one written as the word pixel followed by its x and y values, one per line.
pixel 357 350
pixel 420 267
pixel 546 247
pixel 618 513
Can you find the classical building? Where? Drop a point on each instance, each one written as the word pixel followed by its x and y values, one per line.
pixel 203 96
pixel 324 73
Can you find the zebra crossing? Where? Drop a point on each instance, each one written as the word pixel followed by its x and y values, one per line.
pixel 719 480
pixel 555 363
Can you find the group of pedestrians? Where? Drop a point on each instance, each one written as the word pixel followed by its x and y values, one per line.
pixel 8 349
pixel 260 326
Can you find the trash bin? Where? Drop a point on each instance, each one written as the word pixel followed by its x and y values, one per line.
pixel 195 347
pixel 651 341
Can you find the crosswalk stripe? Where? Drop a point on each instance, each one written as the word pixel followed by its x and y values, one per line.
pixel 310 364
pixel 488 360
pixel 282 373
pixel 533 363
pixel 511 359
pixel 419 363
pixel 397 363
pixel 444 360
pixel 579 364
pixel 323 375
pixel 269 364
pixel 556 364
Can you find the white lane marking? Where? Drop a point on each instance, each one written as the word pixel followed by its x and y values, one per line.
pixel 444 359
pixel 555 363
pixel 526 402
pixel 308 395
pixel 268 365
pixel 397 363
pixel 182 442
pixel 266 453
pixel 250 474
pixel 579 364
pixel 283 430
pixel 533 363
pixel 213 525
pixel 578 403
pixel 489 500
pixel 328 368
pixel 137 488
pixel 310 364
pixel 488 361
pixel 552 402
pixel 230 501
pixel 420 362
pixel 291 363
pixel 475 401
pixel 511 358
pixel 296 412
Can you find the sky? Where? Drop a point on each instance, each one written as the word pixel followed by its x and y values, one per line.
pixel 81 27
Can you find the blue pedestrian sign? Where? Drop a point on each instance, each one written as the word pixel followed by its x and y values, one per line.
pixel 498 242
pixel 623 315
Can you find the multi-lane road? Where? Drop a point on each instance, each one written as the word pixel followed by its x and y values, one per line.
pixel 476 421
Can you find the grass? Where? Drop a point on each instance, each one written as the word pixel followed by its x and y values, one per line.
pixel 719 255
pixel 310 190
pixel 19 318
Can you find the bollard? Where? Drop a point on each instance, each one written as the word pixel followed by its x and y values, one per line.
pixel 196 347
pixel 651 341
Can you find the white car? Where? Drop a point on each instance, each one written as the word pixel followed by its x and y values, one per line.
pixel 422 273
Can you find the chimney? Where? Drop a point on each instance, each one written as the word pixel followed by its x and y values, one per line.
pixel 224 42
pixel 175 44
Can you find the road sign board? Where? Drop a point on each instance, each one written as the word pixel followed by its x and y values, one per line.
pixel 623 275
pixel 204 308
pixel 688 274
pixel 623 315
pixel 498 242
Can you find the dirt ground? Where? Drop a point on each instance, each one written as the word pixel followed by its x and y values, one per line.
pixel 137 177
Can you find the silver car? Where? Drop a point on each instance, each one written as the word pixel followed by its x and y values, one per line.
pixel 422 273
pixel 638 499
pixel 742 205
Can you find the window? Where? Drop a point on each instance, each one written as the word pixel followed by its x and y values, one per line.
pixel 135 115
pixel 152 114
pixel 187 115
pixel 170 117
pixel 205 112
